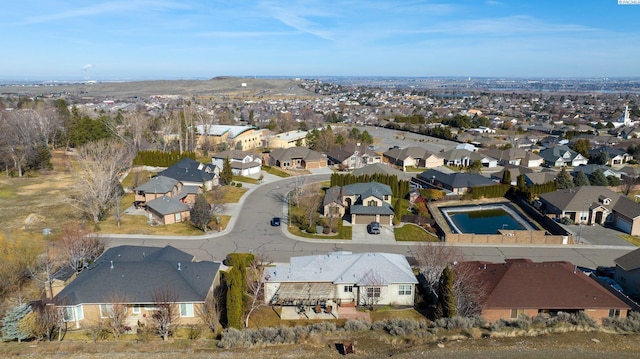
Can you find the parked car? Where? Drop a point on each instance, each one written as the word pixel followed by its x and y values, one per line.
pixel 275 221
pixel 374 228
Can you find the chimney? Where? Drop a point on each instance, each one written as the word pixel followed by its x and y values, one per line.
pixel 179 266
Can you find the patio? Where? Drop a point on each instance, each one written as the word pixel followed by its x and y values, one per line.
pixel 328 311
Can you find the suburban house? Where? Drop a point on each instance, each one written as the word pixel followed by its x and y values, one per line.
pixel 286 139
pixel 341 278
pixel 627 273
pixel 514 172
pixel 590 168
pixel 353 156
pixel 559 156
pixel 615 156
pixel 456 182
pixel 193 173
pixel 540 177
pixel 138 277
pixel 297 158
pixel 593 205
pixel 165 199
pixel 242 163
pixel 464 158
pixel 363 202
pixel 516 156
pixel 238 137
pixel 522 287
pixel 413 156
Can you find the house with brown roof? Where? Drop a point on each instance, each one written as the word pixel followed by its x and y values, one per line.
pixel 593 205
pixel 353 156
pixel 297 158
pixel 522 287
pixel 627 273
pixel 413 156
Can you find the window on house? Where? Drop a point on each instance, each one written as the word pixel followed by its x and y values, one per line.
pixel 348 289
pixel 178 217
pixel 517 313
pixel 186 309
pixel 372 203
pixel 106 310
pixel 614 313
pixel 373 292
pixel 386 197
pixel 404 289
pixel 135 309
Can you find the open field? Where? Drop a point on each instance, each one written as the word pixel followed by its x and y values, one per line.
pixel 590 345
pixel 229 87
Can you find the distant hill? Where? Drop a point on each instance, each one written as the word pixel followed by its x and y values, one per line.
pixel 223 85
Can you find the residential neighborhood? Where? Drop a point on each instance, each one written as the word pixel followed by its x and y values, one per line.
pixel 206 206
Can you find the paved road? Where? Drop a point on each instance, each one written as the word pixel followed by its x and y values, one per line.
pixel 250 231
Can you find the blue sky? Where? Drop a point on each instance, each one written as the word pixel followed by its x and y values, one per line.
pixel 169 39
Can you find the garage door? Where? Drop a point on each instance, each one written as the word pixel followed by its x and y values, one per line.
pixel 623 225
pixel 364 219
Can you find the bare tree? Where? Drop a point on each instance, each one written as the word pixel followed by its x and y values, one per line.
pixel 467 289
pixel 166 316
pixel 216 199
pixel 18 137
pixel 132 130
pixel 44 268
pixel 255 283
pixel 432 258
pixel 209 311
pixel 629 183
pixel 78 245
pixel 373 285
pixel 48 319
pixel 99 165
pixel 117 314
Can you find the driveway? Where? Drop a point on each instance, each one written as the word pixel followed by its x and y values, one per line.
pixel 359 233
pixel 597 235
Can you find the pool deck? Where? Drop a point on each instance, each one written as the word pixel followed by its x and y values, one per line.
pixel 503 236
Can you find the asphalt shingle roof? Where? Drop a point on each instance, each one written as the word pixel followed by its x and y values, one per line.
pixel 135 272
pixel 167 205
pixel 188 170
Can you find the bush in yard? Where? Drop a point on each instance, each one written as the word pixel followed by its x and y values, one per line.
pixel 356 325
pixel 630 324
pixel 459 322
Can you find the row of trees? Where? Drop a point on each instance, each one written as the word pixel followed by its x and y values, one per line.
pixel 326 140
pixel 161 158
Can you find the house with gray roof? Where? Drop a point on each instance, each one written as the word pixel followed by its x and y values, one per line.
pixel 593 205
pixel 627 273
pixel 515 156
pixel 193 173
pixel 136 277
pixel 341 278
pixel 464 158
pixel 362 203
pixel 242 163
pixel 167 210
pixel 559 156
pixel 166 199
pixel 456 182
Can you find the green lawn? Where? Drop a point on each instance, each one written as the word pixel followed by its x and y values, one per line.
pixel 245 179
pixel 344 232
pixel 411 232
pixel 275 171
pixel 631 239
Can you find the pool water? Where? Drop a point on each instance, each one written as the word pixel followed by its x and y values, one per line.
pixel 484 221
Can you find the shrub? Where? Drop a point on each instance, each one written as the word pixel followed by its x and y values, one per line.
pixel 401 327
pixel 630 324
pixel 520 323
pixel 357 325
pixel 458 322
pixel 238 184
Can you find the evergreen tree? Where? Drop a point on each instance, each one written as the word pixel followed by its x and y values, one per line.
pixel 522 184
pixel 614 181
pixel 506 176
pixel 581 180
pixel 597 178
pixel 201 213
pixel 226 175
pixel 446 306
pixel 11 323
pixel 564 179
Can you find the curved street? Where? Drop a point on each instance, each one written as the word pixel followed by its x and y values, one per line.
pixel 250 231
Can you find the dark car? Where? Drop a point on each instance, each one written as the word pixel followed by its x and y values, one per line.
pixel 275 221
pixel 374 228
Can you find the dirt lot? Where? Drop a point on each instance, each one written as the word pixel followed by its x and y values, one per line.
pixel 567 345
